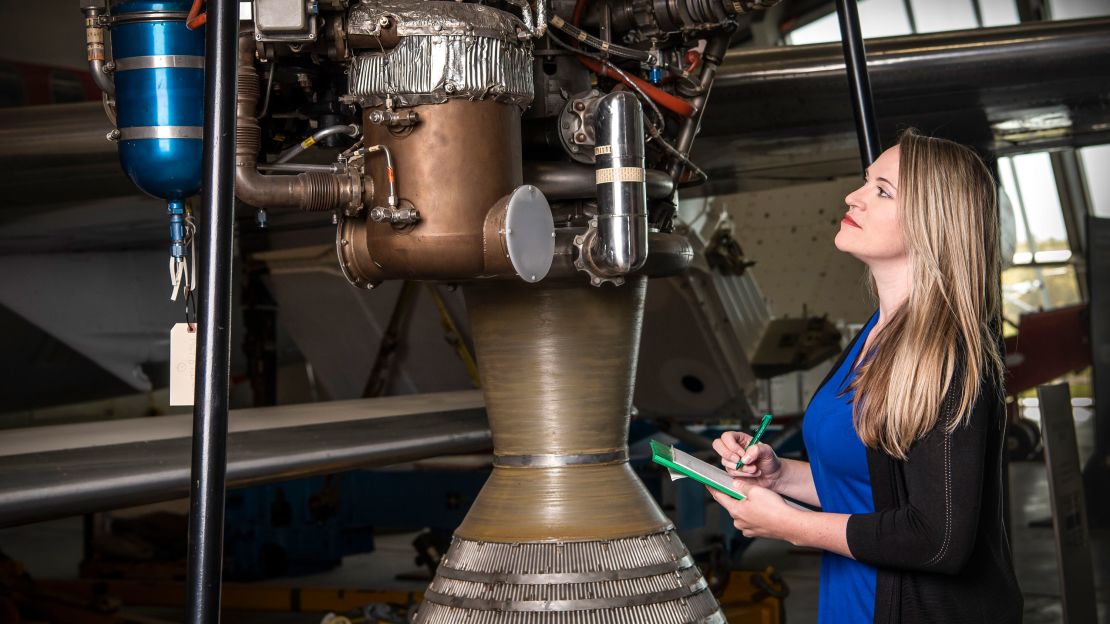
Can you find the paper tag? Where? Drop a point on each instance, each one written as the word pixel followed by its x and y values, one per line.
pixel 675 475
pixel 183 363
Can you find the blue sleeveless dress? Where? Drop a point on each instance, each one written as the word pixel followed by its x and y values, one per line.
pixel 838 460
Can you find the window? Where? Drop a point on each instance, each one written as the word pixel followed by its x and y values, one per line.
pixel 998 12
pixel 888 18
pixel 1096 171
pixel 1042 276
pixel 937 15
pixel 1075 9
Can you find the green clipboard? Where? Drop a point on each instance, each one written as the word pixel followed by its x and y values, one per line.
pixel 690 466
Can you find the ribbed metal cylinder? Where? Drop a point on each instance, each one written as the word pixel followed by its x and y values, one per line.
pixel 321 191
pixel 563 532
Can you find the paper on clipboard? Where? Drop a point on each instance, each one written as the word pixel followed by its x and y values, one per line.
pixel 693 464
pixel 680 464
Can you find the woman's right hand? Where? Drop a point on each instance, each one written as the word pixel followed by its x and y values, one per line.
pixel 761 466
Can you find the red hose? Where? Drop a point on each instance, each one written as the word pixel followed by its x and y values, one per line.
pixel 674 104
pixel 579 9
pixel 196 19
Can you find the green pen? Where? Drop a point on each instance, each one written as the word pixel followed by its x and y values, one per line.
pixel 755 439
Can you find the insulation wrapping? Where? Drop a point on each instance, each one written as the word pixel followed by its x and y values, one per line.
pixel 429 69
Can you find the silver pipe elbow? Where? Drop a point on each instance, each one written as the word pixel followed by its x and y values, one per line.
pixel 620 246
pixel 99 67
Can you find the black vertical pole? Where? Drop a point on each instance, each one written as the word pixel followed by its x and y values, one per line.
pixel 858 83
pixel 206 513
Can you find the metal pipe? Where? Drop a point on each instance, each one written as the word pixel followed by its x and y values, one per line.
pixel 535 25
pixel 350 130
pixel 621 244
pixel 299 168
pixel 711 59
pixel 560 181
pixel 669 254
pixel 391 176
pixel 209 457
pixel 58 471
pixel 94 45
pixel 312 190
pixel 859 83
pixel 984 69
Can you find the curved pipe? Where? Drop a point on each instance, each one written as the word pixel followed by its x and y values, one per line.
pixel 561 181
pixel 94 45
pixel 621 244
pixel 711 59
pixel 674 104
pixel 312 191
pixel 99 71
pixel 669 254
pixel 350 130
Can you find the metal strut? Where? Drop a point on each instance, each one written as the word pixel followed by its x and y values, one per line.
pixel 209 461
pixel 855 57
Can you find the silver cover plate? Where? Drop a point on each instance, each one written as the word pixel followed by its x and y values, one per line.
pixel 280 16
pixel 529 233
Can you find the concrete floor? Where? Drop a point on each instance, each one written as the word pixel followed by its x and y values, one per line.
pixel 52 549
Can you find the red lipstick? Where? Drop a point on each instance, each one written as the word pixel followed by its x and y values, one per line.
pixel 847 219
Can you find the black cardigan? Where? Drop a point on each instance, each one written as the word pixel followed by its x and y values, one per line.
pixel 937 535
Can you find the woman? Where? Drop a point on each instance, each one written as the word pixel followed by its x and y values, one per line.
pixel 905 434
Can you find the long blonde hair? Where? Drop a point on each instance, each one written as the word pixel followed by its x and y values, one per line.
pixel 941 342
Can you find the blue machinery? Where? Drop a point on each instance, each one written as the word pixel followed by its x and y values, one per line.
pixel 175 112
pixel 155 82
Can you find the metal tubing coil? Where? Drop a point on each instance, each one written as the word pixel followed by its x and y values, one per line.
pixel 567 577
pixel 649 579
pixel 647 591
pixel 667 613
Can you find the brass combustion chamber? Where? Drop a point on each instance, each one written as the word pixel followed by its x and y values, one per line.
pixel 563 531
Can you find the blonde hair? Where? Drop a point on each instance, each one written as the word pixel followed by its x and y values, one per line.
pixel 941 342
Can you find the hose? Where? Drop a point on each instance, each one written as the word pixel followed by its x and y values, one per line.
pixel 582 56
pixel 604 46
pixel 676 105
pixel 350 130
pixel 196 19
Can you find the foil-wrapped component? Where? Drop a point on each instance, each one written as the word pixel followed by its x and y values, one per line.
pixel 443 50
pixel 419 17
pixel 430 69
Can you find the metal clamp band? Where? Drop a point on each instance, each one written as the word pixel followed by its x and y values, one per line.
pixel 566 577
pixel 620 174
pixel 159 61
pixel 161 132
pixel 149 16
pixel 566 605
pixel 556 461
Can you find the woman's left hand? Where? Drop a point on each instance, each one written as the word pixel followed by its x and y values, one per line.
pixel 762 514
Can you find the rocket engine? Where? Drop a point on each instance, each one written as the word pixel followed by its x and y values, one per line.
pixel 531 150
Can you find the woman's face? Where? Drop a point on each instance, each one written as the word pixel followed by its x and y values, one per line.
pixel 871 229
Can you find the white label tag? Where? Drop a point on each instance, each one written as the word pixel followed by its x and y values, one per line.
pixel 183 362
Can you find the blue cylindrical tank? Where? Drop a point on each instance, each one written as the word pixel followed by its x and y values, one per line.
pixel 159 80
